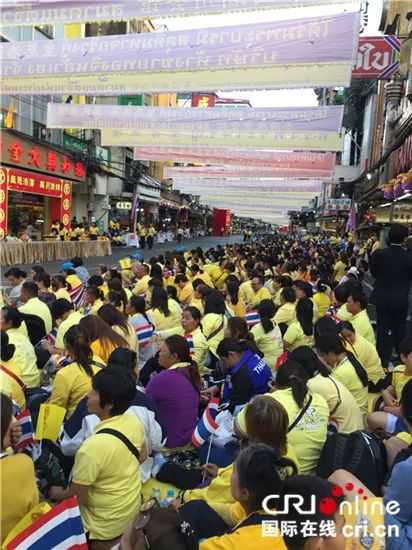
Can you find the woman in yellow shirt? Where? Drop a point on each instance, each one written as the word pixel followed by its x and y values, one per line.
pixel 236 304
pixel 159 310
pixel 344 366
pixel 103 338
pixel 267 334
pixel 119 324
pixel 300 332
pixel 18 487
pixel 92 300
pixel 74 381
pixel 340 267
pixel 214 323
pixel 12 372
pixel 322 298
pixel 59 288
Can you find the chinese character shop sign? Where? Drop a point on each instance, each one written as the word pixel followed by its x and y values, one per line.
pixel 58 190
pixel 205 100
pixel 378 57
pixel 25 154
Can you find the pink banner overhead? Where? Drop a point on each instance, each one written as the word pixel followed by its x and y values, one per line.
pixel 43 12
pixel 62 115
pixel 239 172
pixel 315 40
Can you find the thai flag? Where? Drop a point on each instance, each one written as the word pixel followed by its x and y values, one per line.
pixel 252 318
pixel 331 312
pixel 144 334
pixel 61 527
pixel 25 422
pixel 189 340
pixel 77 294
pixel 62 361
pixel 207 425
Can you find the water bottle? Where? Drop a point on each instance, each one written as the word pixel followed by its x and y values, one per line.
pixel 170 495
pixel 156 494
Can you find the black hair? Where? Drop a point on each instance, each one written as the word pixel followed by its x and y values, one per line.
pixel 310 362
pixel 181 278
pixel 13 315
pixel 159 301
pixel 233 291
pixel 95 292
pixel 116 285
pixel 60 307
pixel 406 401
pixel 172 293
pixel 179 346
pixel 405 347
pixel 196 283
pixel 358 296
pixel 37 269
pixel 215 303
pixel 95 280
pixel 115 387
pixel 60 279
pixel 115 299
pixel 304 287
pixel 267 310
pixel 330 342
pixel 113 317
pixel 78 341
pixel 6 410
pixel 123 358
pixel 288 294
pixel 31 288
pixel 42 277
pixel 229 344
pixel 304 314
pixel 15 272
pixel 344 290
pixel 309 488
pixel 156 272
pixel 347 325
pixel 76 261
pixel 139 304
pixel 260 470
pixel 194 312
pixel 292 375
pixel 326 324
pixel 398 233
pixel 322 285
pixel 6 349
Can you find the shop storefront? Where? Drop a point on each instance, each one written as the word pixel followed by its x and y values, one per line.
pixel 149 199
pixel 36 185
pixel 169 209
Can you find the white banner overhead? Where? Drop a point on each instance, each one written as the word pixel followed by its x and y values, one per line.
pixel 271 185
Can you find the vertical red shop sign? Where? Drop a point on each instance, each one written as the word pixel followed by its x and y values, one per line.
pixel 3 202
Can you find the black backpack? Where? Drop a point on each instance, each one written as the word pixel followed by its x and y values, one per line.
pixel 361 453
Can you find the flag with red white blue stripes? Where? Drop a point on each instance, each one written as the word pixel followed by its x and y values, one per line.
pixel 189 340
pixel 207 424
pixel 76 295
pixel 252 318
pixel 61 527
pixel 27 437
pixel 144 334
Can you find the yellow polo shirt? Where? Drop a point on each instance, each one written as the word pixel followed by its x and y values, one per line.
pixel 62 293
pixel 245 290
pixel 296 337
pixel 185 294
pixel 35 306
pixel 345 373
pixel 362 325
pixel 10 386
pixel 343 313
pixel 141 286
pixel 205 277
pixel 254 298
pixel 286 314
pixel 198 304
pixel 368 356
pixel 73 319
pixel 25 357
pixel 269 343
pixel 239 310
pixel 161 321
pixel 340 268
pixel 111 471
pixel 74 281
pixel 399 379
pixel 70 385
pixel 210 323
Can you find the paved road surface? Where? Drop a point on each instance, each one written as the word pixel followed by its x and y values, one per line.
pixel 118 253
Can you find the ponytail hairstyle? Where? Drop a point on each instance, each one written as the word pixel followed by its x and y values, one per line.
pixel 309 361
pixel 138 303
pixel 233 291
pixel 114 299
pixel 172 293
pixel 322 285
pixel 330 342
pixel 240 331
pixel 238 346
pixel 78 344
pixel 114 318
pixel 115 285
pixel 95 292
pixel 304 314
pixel 179 346
pixel 267 310
pixel 291 375
pixel 159 301
pixel 6 349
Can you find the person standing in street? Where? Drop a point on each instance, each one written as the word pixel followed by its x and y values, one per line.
pixel 392 269
pixel 150 236
pixel 142 236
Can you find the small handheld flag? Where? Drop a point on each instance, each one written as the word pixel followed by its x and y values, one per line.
pixel 252 318
pixel 77 294
pixel 25 422
pixel 144 334
pixel 189 340
pixel 207 425
pixel 61 527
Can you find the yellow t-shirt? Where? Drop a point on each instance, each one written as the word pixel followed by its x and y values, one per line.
pixel 103 349
pixel 345 373
pixel 73 281
pixel 114 495
pixel 25 357
pixel 9 385
pixel 161 321
pixel 239 310
pixel 322 302
pixel 205 277
pixel 70 385
pixel 362 325
pixel 18 491
pixel 129 336
pixel 245 290
pixel 72 320
pixel 368 356
pixel 62 293
pixel 198 304
pixel 254 298
pixel 185 294
pixel 343 313
pixel 296 337
pixel 141 286
pixel 399 379
pixel 93 230
pixel 309 435
pixel 210 323
pixel 340 270
pixel 34 306
pixel 286 314
pixel 269 343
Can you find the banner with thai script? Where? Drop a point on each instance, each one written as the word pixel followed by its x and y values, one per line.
pixel 209 172
pixel 378 57
pixel 288 44
pixel 166 119
pixel 197 187
pixel 256 78
pixel 322 163
pixel 312 141
pixel 44 12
